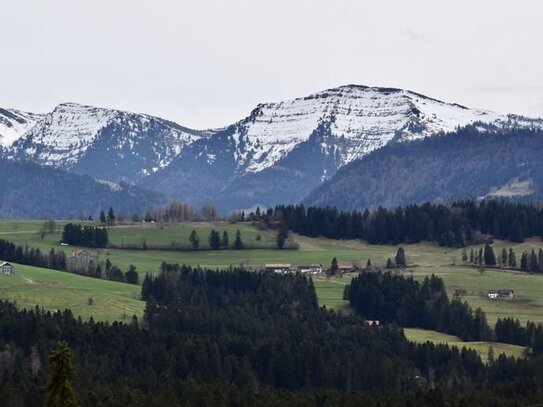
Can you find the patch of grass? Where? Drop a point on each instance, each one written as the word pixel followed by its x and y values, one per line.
pixel 56 290
pixel 428 258
pixel 423 335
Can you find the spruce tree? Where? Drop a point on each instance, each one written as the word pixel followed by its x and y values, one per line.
pixel 334 267
pixel 464 255
pixel 214 240
pixel 471 256
pixel 489 257
pixel 194 240
pixel 504 257
pixel 102 217
pixel 524 261
pixel 111 216
pixel 512 259
pixel 400 258
pixel 224 240
pixel 238 244
pixel 390 265
pixel 282 236
pixel 60 392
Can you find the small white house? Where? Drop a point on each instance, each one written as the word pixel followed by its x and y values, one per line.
pixel 7 268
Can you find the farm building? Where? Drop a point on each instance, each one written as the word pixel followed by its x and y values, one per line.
pixel 345 267
pixel 501 294
pixel 278 268
pixel 7 268
pixel 310 268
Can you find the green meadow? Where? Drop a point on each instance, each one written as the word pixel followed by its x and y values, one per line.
pixel 117 301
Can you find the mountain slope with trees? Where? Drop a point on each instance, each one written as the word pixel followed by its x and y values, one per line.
pixel 472 162
pixel 33 191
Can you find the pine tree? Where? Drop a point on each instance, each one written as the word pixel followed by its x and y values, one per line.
pixel 489 257
pixel 534 267
pixel 194 240
pixel 512 259
pixel 369 266
pixel 60 392
pixel 214 240
pixel 471 256
pixel 390 265
pixel 111 216
pixel 282 236
pixel 504 257
pixel 464 255
pixel 334 267
pixel 238 244
pixel 400 258
pixel 224 240
pixel 524 261
pixel 480 257
pixel 102 217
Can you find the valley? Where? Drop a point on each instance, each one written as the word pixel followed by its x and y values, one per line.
pixel 114 301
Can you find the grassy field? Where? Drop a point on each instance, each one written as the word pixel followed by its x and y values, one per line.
pixel 55 290
pixel 423 335
pixel 426 259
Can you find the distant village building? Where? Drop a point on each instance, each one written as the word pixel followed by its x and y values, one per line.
pixel 278 268
pixel 501 294
pixel 372 322
pixel 81 255
pixel 310 268
pixel 7 268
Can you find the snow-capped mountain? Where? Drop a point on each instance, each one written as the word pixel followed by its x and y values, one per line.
pixel 363 118
pixel 279 153
pixel 105 143
pixel 14 124
pixel 283 150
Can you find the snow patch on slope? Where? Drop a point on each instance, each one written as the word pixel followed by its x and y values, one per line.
pixel 14 123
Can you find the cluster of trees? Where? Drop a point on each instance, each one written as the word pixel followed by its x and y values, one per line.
pixel 179 212
pixel 32 257
pixel 529 261
pixel 58 260
pixel 455 225
pixel 509 330
pixel 393 298
pixel 110 218
pixel 243 338
pixel 217 242
pixel 87 236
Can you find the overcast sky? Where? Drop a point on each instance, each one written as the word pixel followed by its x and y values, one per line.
pixel 208 63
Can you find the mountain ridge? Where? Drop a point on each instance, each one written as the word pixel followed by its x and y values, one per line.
pixel 278 153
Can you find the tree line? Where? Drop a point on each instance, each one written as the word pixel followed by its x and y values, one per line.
pixel 232 337
pixel 86 236
pixel 57 260
pixel 530 261
pixel 457 225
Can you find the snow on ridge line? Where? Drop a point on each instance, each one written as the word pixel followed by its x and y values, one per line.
pixel 367 117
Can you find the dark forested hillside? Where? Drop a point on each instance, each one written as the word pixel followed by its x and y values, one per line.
pixel 233 337
pixel 454 225
pixel 32 191
pixel 466 164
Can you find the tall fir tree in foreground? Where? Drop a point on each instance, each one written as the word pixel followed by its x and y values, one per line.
pixel 60 392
